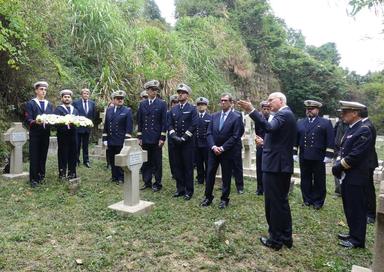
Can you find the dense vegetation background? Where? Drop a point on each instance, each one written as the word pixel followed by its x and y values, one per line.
pixel 217 45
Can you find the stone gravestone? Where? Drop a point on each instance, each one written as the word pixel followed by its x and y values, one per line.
pixel 249 168
pixel 378 254
pixel 130 159
pixel 98 151
pixel 16 137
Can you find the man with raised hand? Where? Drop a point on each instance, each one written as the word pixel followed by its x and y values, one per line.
pixel 277 167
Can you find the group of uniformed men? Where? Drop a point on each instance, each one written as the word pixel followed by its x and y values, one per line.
pixel 205 140
pixel 69 138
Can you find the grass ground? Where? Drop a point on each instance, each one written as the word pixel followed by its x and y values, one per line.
pixel 47 229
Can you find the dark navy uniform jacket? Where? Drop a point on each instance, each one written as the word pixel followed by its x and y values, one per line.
pixel 373 160
pixel 32 110
pixel 183 121
pixel 201 130
pixel 61 110
pixel 315 140
pixel 117 125
pixel 280 137
pixel 152 121
pixel 230 133
pixel 242 128
pixel 79 105
pixel 354 152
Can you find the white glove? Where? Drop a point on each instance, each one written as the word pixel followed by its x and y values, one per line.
pixel 105 143
pixel 295 158
pixel 327 160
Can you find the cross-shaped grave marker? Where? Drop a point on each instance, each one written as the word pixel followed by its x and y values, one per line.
pixel 131 158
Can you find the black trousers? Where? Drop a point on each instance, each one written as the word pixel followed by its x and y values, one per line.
pixel 82 143
pixel 371 195
pixel 117 172
pixel 153 166
pixel 184 168
pixel 237 170
pixel 313 181
pixel 66 153
pixel 171 158
pixel 38 150
pixel 202 163
pixel 355 210
pixel 259 173
pixel 226 162
pixel 277 210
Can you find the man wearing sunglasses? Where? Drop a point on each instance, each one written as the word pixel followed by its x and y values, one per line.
pixel 118 126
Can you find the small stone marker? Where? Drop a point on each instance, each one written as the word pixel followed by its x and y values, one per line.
pixel 16 137
pixel 220 229
pixel 73 185
pixel 130 159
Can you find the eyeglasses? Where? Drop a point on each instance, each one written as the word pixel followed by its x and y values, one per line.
pixel 224 100
pixel 119 98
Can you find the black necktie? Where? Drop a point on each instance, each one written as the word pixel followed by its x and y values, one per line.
pixel 85 107
pixel 201 115
pixel 68 109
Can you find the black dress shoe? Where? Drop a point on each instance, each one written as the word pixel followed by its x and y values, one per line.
pixel 306 204
pixel 268 243
pixel 317 206
pixel 119 182
pixel 187 197
pixel 343 236
pixel 349 244
pixel 145 187
pixel 206 202
pixel 259 193
pixel 156 188
pixel 288 243
pixel 178 194
pixel 370 220
pixel 223 204
pixel 240 191
pixel 87 164
pixel 34 184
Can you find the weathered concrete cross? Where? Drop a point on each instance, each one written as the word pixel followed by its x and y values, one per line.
pixel 130 159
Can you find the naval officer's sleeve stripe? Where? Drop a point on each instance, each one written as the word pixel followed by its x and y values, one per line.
pixel 345 164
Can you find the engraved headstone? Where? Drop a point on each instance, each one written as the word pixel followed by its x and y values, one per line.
pixel 16 137
pixel 131 159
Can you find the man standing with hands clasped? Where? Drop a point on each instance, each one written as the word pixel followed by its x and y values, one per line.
pixel 151 132
pixel 223 134
pixel 277 167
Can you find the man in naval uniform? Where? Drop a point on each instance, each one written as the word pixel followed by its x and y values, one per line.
pixel 315 143
pixel 38 133
pixel 66 138
pixel 201 139
pixel 182 124
pixel 352 168
pixel 118 126
pixel 151 132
